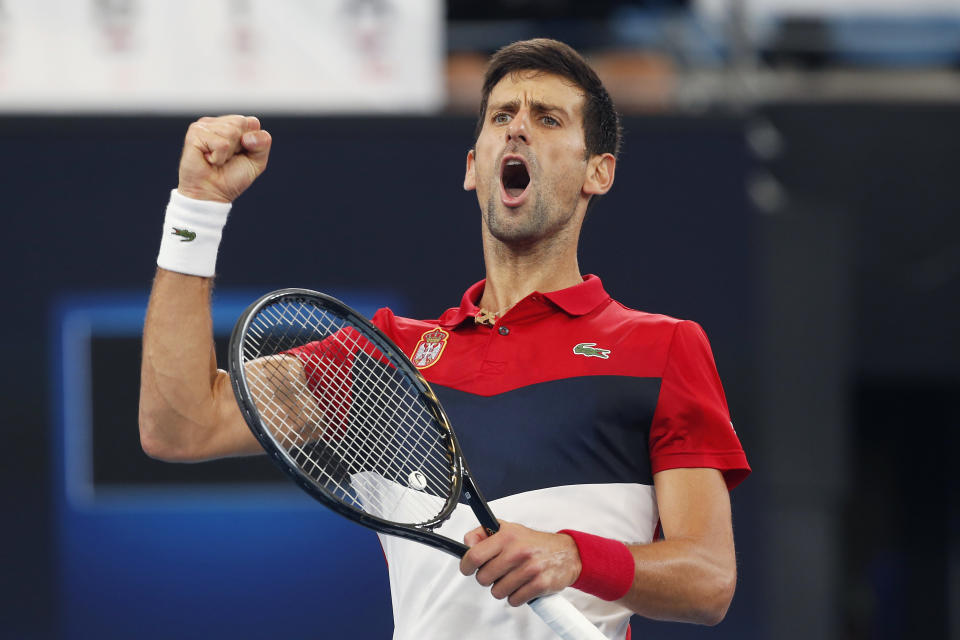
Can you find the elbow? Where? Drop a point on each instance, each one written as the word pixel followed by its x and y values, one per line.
pixel 152 444
pixel 717 600
pixel 154 448
pixel 158 443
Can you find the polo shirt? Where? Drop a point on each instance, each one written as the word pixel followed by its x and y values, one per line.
pixel 565 408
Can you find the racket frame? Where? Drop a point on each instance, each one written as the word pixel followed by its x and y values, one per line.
pixel 462 481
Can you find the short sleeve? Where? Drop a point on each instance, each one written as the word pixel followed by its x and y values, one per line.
pixel 691 426
pixel 328 367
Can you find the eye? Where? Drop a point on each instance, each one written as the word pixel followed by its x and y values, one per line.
pixel 550 121
pixel 501 118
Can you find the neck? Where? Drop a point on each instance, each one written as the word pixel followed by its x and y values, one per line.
pixel 513 273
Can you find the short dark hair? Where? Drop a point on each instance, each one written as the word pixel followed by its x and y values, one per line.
pixel 601 123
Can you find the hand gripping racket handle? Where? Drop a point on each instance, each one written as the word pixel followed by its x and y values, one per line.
pixel 566 620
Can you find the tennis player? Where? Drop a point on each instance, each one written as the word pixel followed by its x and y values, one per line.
pixel 599 433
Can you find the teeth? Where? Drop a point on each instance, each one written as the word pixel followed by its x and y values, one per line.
pixel 513 163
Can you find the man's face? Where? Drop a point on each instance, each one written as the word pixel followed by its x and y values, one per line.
pixel 529 163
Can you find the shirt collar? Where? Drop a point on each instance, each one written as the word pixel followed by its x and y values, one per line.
pixel 578 300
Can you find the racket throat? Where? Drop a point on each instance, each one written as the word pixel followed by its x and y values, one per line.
pixel 479 506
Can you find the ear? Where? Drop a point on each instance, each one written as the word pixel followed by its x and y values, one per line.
pixel 600 170
pixel 470 177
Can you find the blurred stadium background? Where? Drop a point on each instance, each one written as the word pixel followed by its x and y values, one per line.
pixel 789 180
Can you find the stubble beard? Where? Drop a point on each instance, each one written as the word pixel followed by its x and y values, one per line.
pixel 525 229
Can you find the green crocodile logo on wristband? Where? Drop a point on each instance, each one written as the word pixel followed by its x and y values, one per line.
pixel 185 234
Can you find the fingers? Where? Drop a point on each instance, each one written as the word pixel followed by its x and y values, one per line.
pixel 244 123
pixel 473 537
pixel 217 149
pixel 257 146
pixel 480 552
pixel 520 564
pixel 219 139
pixel 520 587
pixel 222 156
pixel 512 571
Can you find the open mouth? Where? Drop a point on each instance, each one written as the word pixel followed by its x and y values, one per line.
pixel 514 176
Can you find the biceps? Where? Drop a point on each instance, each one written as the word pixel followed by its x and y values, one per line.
pixel 227 434
pixel 277 388
pixel 695 505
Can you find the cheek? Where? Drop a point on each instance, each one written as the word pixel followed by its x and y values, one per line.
pixel 577 161
pixel 568 175
pixel 484 180
pixel 483 163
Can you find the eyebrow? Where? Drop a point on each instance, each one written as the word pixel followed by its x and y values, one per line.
pixel 535 105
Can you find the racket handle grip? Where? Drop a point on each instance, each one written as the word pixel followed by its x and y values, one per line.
pixel 566 620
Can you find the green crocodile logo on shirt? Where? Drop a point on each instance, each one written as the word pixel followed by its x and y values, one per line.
pixel 590 350
pixel 185 234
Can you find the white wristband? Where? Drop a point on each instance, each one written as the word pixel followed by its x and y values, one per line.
pixel 191 235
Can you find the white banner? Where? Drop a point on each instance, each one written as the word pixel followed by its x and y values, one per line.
pixel 188 56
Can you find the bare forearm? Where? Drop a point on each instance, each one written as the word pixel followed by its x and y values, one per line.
pixel 681 580
pixel 179 382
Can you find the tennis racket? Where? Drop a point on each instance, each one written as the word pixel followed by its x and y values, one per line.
pixel 348 417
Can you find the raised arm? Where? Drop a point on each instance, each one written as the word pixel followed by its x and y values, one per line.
pixel 187 408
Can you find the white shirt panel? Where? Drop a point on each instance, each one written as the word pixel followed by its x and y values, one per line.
pixel 432 600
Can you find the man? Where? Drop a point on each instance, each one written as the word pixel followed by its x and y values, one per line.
pixel 591 424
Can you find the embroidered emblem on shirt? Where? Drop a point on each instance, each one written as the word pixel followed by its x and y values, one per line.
pixel 590 350
pixel 430 348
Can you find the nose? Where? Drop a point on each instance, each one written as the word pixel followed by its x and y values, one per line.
pixel 518 130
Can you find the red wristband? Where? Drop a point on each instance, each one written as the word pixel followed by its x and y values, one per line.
pixel 606 565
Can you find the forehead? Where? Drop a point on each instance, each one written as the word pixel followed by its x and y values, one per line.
pixel 538 86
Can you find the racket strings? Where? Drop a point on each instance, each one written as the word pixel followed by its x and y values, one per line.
pixel 413 412
pixel 306 459
pixel 405 411
pixel 346 416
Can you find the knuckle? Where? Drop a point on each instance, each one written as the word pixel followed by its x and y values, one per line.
pixel 538 584
pixel 522 555
pixel 234 120
pixel 536 565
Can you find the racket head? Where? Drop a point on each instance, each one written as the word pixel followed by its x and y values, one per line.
pixel 391 465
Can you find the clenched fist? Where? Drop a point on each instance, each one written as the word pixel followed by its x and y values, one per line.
pixel 222 157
